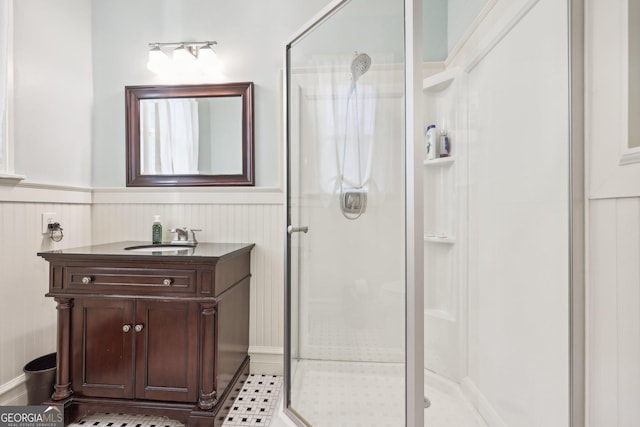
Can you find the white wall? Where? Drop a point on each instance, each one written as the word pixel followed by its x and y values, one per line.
pixel 52 132
pixel 606 93
pixel 53 91
pixel 460 15
pixel 445 23
pixel 251 36
pixel 434 25
pixel 518 214
pixel 613 292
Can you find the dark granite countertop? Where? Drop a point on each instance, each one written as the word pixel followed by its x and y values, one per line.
pixel 201 251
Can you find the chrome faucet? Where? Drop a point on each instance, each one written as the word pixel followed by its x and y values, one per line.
pixel 182 236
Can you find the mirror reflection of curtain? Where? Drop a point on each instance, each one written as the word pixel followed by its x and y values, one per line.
pixel 169 136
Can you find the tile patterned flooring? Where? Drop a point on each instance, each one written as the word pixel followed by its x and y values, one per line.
pixel 256 403
pixel 356 394
pixel 254 406
pixel 125 420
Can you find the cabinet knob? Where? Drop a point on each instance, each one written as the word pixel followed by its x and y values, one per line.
pixel 86 280
pixel 166 282
pixel 126 328
pixel 139 327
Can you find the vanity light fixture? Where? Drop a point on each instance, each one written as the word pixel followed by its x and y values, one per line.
pixel 185 55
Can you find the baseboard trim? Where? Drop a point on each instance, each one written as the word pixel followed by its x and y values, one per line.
pixel 482 404
pixel 266 360
pixel 11 384
pixel 14 392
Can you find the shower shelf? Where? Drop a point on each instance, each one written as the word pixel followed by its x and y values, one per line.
pixel 440 81
pixel 441 161
pixel 439 239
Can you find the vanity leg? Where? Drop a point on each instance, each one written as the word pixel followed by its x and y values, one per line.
pixel 63 382
pixel 207 398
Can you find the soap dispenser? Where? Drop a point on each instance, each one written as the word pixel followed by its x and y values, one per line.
pixel 156 230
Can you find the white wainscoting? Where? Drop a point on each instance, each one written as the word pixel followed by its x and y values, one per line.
pixel 613 290
pixel 258 220
pixel 27 317
pixel 613 326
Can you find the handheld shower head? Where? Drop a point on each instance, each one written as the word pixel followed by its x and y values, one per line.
pixel 353 199
pixel 360 65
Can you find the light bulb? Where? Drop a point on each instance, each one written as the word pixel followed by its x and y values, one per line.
pixel 207 57
pixel 183 58
pixel 158 60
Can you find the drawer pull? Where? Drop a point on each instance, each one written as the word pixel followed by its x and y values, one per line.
pixel 126 328
pixel 139 327
pixel 86 280
pixel 167 282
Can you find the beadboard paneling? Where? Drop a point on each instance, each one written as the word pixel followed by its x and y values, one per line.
pixel 27 317
pixel 614 313
pixel 261 224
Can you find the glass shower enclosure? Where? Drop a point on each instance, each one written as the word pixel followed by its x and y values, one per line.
pixel 346 217
pixel 469 259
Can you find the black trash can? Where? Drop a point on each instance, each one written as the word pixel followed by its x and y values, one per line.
pixel 40 376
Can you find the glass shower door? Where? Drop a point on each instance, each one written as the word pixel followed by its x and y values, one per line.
pixel 345 350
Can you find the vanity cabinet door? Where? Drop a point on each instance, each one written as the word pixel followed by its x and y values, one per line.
pixel 166 350
pixel 102 358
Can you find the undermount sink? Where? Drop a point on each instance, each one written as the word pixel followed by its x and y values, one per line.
pixel 163 247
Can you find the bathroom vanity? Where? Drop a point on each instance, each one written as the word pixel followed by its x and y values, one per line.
pixel 162 330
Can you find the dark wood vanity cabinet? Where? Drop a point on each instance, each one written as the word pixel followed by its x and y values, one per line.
pixel 135 349
pixel 151 332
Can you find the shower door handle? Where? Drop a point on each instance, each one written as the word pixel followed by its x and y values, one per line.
pixel 291 229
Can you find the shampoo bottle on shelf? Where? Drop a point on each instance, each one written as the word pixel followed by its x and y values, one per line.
pixel 156 230
pixel 431 146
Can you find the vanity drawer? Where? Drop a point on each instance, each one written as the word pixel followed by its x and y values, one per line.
pixel 130 279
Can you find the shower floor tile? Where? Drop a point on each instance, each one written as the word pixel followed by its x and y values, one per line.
pixel 254 406
pixel 358 394
pixel 353 394
pixel 338 338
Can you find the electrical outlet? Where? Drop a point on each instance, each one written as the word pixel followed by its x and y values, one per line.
pixel 47 218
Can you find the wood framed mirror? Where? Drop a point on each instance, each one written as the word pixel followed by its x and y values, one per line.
pixel 190 135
